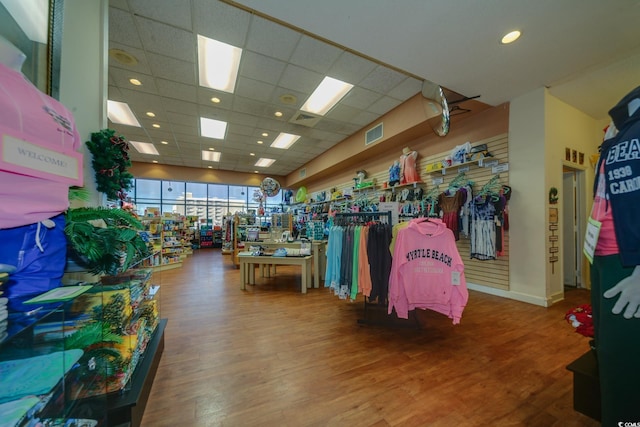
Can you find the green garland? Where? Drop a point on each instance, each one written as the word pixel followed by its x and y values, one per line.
pixel 110 163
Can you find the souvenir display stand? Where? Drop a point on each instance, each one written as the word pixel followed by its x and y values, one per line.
pixel 86 354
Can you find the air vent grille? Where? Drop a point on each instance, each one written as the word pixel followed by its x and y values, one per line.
pixel 303 172
pixel 373 134
pixel 305 119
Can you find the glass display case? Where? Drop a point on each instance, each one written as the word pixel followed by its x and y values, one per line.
pixel 43 371
pixel 86 360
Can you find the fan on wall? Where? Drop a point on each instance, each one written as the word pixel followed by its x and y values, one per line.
pixel 270 187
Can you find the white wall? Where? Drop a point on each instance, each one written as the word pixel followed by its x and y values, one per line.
pixel 567 127
pixel 83 80
pixel 540 127
pixel 527 209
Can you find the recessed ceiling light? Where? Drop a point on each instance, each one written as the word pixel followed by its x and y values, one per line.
pixel 265 134
pixel 120 113
pixel 510 37
pixel 215 100
pixel 252 154
pixel 144 147
pixel 151 114
pixel 326 95
pixel 164 142
pixel 212 128
pixel 155 125
pixel 210 157
pixel 264 163
pixel 135 82
pixel 210 167
pixel 211 149
pixel 255 171
pixel 218 64
pixel 278 114
pixel 155 161
pixel 260 142
pixel 284 140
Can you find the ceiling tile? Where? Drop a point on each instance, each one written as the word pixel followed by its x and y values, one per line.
pixel 351 68
pixel 382 79
pixel 254 89
pixel 384 105
pixel 174 12
pixel 167 40
pixel 271 39
pixel 314 55
pixel 360 98
pixel 299 79
pixel 171 89
pixel 122 28
pixel 173 69
pixel 222 22
pixel 406 89
pixel 261 67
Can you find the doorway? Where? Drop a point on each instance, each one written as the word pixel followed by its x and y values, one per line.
pixel 573 220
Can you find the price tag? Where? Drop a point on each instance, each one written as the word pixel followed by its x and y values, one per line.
pixel 455 278
pixel 591 238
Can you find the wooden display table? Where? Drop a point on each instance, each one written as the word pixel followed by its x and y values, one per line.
pixel 248 263
pixel 318 249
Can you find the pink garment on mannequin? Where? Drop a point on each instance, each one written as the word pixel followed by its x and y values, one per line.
pixel 409 172
pixel 30 115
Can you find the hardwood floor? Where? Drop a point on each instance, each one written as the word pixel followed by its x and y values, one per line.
pixel 271 356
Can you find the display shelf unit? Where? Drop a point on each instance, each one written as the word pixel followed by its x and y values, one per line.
pixel 228 232
pixel 127 408
pixel 39 371
pixel 172 243
pixel 241 224
pixel 217 237
pixel 206 237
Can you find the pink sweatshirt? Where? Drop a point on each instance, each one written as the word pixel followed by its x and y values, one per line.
pixel 27 114
pixel 427 271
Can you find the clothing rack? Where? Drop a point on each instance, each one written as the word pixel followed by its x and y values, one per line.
pixel 361 218
pixel 346 218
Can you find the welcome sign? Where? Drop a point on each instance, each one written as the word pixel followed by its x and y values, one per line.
pixel 33 159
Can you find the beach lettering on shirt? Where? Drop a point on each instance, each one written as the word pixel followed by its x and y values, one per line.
pixel 429 253
pixel 622 179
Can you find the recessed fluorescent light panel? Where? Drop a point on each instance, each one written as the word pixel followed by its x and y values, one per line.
pixel 120 113
pixel 144 147
pixel 212 128
pixel 264 163
pixel 326 95
pixel 284 140
pixel 210 156
pixel 218 64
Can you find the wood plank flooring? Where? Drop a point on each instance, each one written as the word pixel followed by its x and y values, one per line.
pixel 271 356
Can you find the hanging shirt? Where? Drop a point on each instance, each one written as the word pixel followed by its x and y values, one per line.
pixel 427 271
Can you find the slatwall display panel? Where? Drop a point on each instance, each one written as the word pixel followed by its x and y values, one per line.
pixel 490 273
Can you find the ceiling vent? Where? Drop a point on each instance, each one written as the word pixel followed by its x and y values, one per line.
pixel 373 134
pixel 303 172
pixel 305 119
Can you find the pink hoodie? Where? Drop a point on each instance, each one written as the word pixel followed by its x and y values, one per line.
pixel 427 271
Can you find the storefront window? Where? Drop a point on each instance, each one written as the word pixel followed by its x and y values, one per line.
pixel 209 202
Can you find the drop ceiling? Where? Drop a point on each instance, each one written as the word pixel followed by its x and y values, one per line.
pixel 587 52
